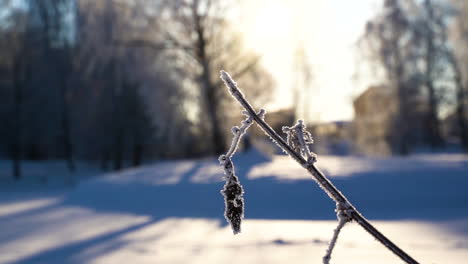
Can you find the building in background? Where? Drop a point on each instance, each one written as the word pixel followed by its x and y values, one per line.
pixel 373 115
pixel 376 130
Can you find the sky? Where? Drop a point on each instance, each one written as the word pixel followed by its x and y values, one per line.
pixel 328 30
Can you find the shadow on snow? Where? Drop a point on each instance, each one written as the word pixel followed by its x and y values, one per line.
pixel 425 195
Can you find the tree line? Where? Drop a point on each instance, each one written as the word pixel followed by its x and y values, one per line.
pixel 118 82
pixel 418 50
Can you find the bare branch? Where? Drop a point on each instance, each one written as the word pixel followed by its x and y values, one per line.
pixel 233 191
pixel 317 175
pixel 243 71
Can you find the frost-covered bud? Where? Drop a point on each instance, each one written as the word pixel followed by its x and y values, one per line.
pixel 234 202
pixel 261 113
pixel 312 159
pixel 222 159
pixel 246 122
pixel 234 211
pixel 235 130
pixel 230 83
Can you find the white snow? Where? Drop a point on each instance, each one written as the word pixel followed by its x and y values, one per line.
pixel 344 166
pixel 172 212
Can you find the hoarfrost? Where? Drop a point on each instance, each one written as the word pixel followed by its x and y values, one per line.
pixel 232 190
pixel 233 200
pixel 299 139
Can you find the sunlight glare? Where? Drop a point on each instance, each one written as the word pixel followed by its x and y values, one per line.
pixel 273 22
pixel 328 29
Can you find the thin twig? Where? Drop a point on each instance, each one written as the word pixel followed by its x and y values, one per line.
pixel 317 175
pixel 233 190
pixel 327 257
pixel 343 213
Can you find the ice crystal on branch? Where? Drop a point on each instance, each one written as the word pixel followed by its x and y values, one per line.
pixel 299 139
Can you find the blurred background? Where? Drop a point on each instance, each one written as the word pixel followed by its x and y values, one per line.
pixel 112 115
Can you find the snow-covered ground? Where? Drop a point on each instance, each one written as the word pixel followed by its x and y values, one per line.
pixel 171 212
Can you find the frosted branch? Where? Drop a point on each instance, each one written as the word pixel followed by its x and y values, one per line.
pixel 331 246
pixel 232 190
pixel 343 213
pixel 238 133
pixel 307 162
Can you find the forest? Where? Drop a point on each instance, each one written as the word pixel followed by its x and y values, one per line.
pixel 120 82
pixel 117 82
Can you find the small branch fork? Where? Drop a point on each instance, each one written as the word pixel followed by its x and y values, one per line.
pixel 343 213
pixel 232 190
pixel 344 208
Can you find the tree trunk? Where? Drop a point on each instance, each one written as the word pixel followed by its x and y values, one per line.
pixel 65 122
pixel 118 126
pixel 212 107
pixel 51 20
pixel 17 127
pixel 461 116
pixel 461 110
pixel 402 129
pixel 105 156
pixel 137 154
pixel 118 151
pixel 211 100
pixel 435 137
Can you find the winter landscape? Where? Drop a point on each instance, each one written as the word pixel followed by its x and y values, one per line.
pixel 133 131
pixel 172 212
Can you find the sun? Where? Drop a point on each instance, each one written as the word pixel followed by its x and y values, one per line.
pixel 273 22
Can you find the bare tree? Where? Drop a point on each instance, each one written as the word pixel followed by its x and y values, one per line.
pixel 98 27
pixel 16 52
pixel 198 38
pixel 104 96
pixel 388 35
pixel 409 39
pixel 18 86
pixel 49 16
pixel 136 101
pixel 432 29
